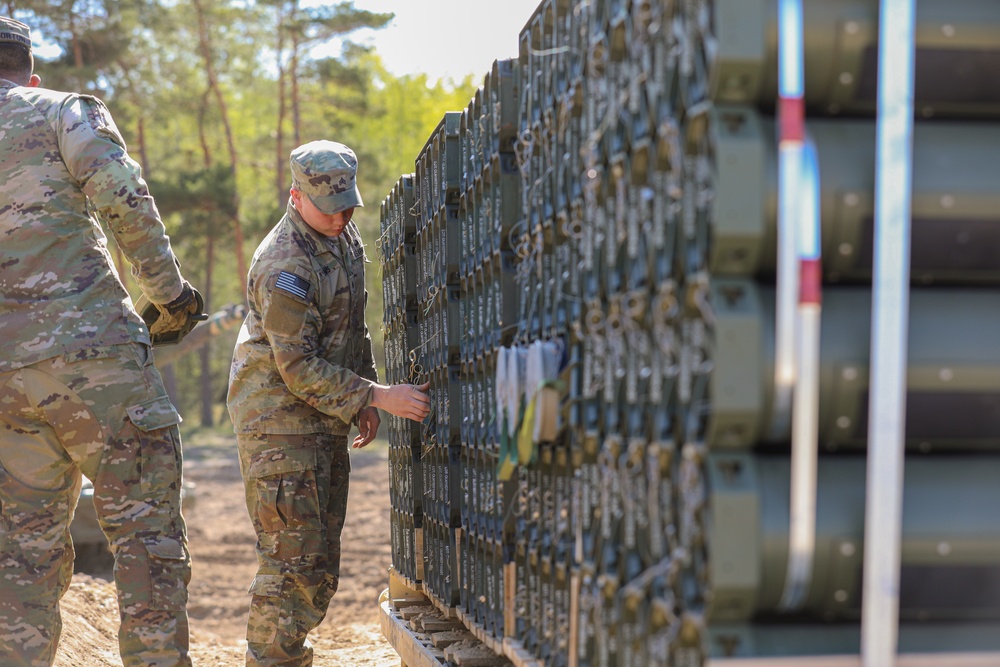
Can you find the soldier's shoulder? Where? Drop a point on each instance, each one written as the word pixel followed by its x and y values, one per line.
pixel 71 109
pixel 41 98
pixel 280 251
pixel 41 92
pixel 278 240
pixel 269 263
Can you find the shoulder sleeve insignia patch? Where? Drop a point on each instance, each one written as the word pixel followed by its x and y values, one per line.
pixel 101 120
pixel 293 284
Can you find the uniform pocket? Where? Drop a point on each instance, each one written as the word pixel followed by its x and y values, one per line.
pixel 266 608
pixel 159 448
pixel 101 120
pixel 154 414
pixel 168 573
pixel 285 315
pixel 286 488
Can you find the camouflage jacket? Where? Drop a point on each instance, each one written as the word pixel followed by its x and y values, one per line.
pixel 303 360
pixel 62 163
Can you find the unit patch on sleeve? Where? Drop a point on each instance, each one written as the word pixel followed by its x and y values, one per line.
pixel 291 283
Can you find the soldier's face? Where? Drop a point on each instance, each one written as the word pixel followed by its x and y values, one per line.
pixel 323 223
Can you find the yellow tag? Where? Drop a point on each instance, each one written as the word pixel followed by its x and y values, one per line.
pixel 525 438
pixel 508 457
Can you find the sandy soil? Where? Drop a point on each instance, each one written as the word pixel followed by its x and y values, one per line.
pixel 221 541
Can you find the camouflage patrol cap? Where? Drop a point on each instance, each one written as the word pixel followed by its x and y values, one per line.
pixel 14 32
pixel 326 171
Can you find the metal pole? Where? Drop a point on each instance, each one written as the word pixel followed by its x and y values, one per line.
pixel 789 344
pixel 791 134
pixel 890 315
pixel 805 403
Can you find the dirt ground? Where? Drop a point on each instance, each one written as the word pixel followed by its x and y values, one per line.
pixel 221 541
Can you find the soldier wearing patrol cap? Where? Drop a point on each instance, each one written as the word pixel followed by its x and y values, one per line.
pixel 77 381
pixel 302 373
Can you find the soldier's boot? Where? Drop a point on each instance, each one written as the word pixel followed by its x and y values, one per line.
pixel 283 610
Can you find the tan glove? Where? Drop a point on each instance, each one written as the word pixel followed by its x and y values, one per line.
pixel 169 322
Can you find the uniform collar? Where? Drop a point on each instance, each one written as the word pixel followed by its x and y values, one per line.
pixel 318 244
pixel 315 242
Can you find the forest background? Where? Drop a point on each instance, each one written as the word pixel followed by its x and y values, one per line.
pixel 211 96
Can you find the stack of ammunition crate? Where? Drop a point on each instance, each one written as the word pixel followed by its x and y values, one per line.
pixel 588 281
pixel 397 248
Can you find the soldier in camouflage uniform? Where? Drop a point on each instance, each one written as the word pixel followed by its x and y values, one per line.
pixel 302 373
pixel 77 384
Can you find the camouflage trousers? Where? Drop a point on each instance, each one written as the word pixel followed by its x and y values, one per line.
pixel 102 412
pixel 296 493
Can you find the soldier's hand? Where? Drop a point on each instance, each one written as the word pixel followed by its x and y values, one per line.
pixel 368 422
pixel 170 322
pixel 409 401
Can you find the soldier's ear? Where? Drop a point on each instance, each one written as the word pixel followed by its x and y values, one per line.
pixel 34 81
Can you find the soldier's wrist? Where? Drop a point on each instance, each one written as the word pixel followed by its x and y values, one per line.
pixel 376 399
pixel 165 302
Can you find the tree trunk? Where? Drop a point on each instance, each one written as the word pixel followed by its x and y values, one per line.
pixel 294 69
pixel 207 416
pixel 220 99
pixel 206 150
pixel 170 382
pixel 280 157
pixel 204 354
pixel 141 139
pixel 75 44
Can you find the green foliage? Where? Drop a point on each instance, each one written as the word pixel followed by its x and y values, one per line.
pixel 324 22
pixel 203 194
